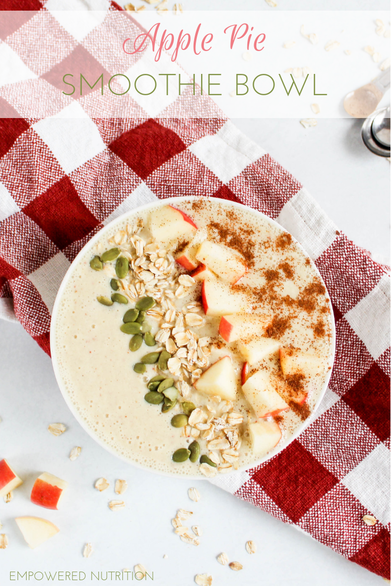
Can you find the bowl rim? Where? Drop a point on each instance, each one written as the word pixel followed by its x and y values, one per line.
pixel 119 219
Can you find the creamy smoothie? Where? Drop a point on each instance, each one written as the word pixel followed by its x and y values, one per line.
pixel 217 303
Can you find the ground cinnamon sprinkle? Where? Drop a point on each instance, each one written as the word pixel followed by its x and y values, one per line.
pixel 283 240
pixel 277 327
pixel 303 410
pixel 306 299
pixel 319 329
pixel 242 244
pixel 181 246
pixel 295 382
pixel 271 275
pixel 287 269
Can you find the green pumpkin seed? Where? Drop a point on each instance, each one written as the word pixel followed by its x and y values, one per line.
pixel 96 263
pixel 181 455
pixel 165 384
pixel 153 386
pixel 118 298
pixel 194 450
pixel 205 460
pixel 135 343
pixel 145 327
pixel 104 300
pixel 150 358
pixel 122 267
pixel 130 315
pixel 168 404
pixel 110 254
pixel 163 358
pixel 187 407
pixel 141 317
pixel 114 284
pixel 149 339
pixel 171 393
pixel 153 397
pixel 179 420
pixel 145 303
pixel 140 368
pixel 130 328
pixel 158 377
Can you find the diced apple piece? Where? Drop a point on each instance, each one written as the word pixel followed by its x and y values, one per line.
pixel 187 258
pixel 218 299
pixel 225 262
pixel 244 372
pixel 258 349
pixel 168 223
pixel 201 273
pixel 260 392
pixel 36 530
pixel 48 491
pixel 9 480
pixel 295 361
pixel 240 327
pixel 218 379
pixel 264 435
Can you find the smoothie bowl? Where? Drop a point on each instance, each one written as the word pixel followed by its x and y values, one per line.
pixel 193 337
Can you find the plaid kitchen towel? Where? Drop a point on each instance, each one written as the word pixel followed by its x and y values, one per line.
pixel 64 176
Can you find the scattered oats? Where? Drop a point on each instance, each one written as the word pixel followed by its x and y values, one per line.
pixel 151 1
pixel 331 45
pixel 208 471
pixel 247 56
pixel 8 497
pixel 232 93
pixel 348 52
pixel 75 453
pixel 170 315
pixel 376 57
pixel 139 569
pixel 176 523
pixel 214 457
pixel 225 468
pixel 162 336
pixel 219 444
pixel 369 49
pixel 195 433
pixel 251 547
pixel 182 514
pixel 308 122
pixel 312 37
pixel 87 551
pixel 171 346
pixel 130 8
pixel 194 320
pixel 235 418
pixel 180 8
pixel 298 72
pixel 197 416
pixel 197 530
pixel 174 365
pixel 1 524
pixel 194 495
pixel 186 280
pixel 101 484
pixel 140 9
pixel 315 108
pixel 165 557
pixel 189 539
pixel 120 486
pixel 182 531
pixel 289 44
pixel 222 558
pixel 385 64
pixel 369 520
pixel 205 579
pixel 57 428
pixel 116 505
pixel 271 3
pixel 236 566
pixel 3 541
pixel 182 339
pixel 380 27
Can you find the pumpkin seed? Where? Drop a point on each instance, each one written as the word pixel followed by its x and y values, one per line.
pixel 149 339
pixel 122 267
pixel 135 343
pixel 165 384
pixel 141 317
pixel 163 358
pixel 130 315
pixel 130 328
pixel 179 420
pixel 155 382
pixel 187 407
pixel 181 455
pixel 104 300
pixel 153 386
pixel 114 284
pixel 168 404
pixel 205 460
pixel 110 254
pixel 194 450
pixel 171 393
pixel 158 377
pixel 145 303
pixel 150 358
pixel 96 263
pixel 153 397
pixel 139 368
pixel 118 298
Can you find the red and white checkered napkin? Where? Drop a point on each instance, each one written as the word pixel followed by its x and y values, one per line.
pixel 62 179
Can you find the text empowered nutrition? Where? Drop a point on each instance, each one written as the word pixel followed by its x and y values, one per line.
pixel 263 84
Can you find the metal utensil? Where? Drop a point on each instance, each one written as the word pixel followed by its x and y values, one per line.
pixel 364 100
pixel 375 132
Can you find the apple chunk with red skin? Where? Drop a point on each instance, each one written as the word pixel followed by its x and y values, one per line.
pixel 264 436
pixel 219 379
pixel 187 258
pixel 168 223
pixel 294 361
pixel 218 298
pixel 244 372
pixel 240 327
pixel 36 530
pixel 258 349
pixel 260 392
pixel 225 262
pixel 201 273
pixel 48 491
pixel 9 480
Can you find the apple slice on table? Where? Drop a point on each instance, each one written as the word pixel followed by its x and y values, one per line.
pixel 244 372
pixel 257 349
pixel 48 491
pixel 294 361
pixel 264 435
pixel 218 298
pixel 236 327
pixel 9 480
pixel 260 392
pixel 201 273
pixel 225 262
pixel 36 530
pixel 219 379
pixel 168 223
